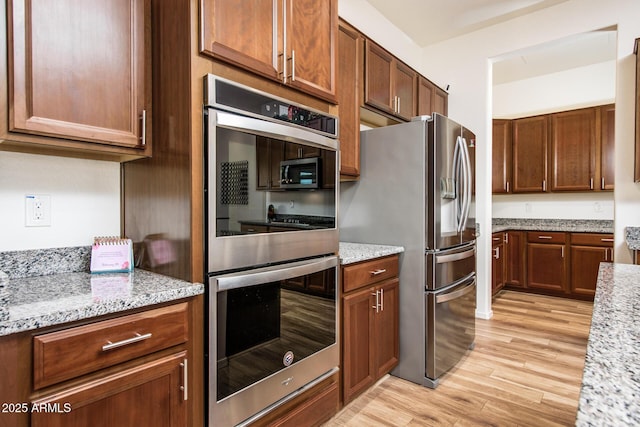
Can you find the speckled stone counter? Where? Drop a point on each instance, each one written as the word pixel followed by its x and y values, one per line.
pixel 43 288
pixel 632 236
pixel 569 225
pixel 356 252
pixel 610 394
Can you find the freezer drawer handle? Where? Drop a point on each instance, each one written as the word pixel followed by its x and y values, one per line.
pixel 457 294
pixel 440 259
pixel 378 271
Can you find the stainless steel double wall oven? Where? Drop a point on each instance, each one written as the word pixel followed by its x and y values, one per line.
pixel 271 249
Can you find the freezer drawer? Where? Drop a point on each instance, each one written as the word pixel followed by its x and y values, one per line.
pixel 450 327
pixel 447 267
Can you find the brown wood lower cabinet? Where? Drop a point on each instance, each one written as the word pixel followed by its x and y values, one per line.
pixel 587 252
pixel 148 394
pixel 137 369
pixel 554 263
pixel 370 325
pixel 497 262
pixel 547 261
pixel 514 251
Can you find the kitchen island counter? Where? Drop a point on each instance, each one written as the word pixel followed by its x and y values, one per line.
pixel 610 394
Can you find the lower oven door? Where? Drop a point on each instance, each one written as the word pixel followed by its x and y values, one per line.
pixel 272 331
pixel 450 326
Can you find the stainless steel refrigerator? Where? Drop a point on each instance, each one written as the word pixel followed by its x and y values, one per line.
pixel 417 190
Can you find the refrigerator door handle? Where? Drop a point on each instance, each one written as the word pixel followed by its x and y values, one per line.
pixel 466 161
pixel 457 170
pixel 456 294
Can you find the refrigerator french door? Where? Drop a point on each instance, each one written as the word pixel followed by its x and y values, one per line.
pixel 451 208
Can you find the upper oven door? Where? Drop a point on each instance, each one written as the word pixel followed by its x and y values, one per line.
pixel 252 220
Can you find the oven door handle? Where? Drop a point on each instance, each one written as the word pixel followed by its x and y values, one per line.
pixel 270 129
pixel 271 274
pixel 456 294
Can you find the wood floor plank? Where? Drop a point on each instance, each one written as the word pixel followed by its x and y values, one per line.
pixel 525 370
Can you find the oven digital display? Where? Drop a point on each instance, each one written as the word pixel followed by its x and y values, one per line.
pixel 265 328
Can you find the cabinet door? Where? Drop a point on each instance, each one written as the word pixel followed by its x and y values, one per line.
pixel 501 157
pixel 358 331
pixel 405 81
pixel 378 69
pixel 607 150
pixel 441 102
pixel 530 154
pixel 386 327
pixel 426 97
pixel 585 262
pixel 147 395
pixel 78 70
pixel 246 33
pixel 431 99
pixel 311 49
pixel 573 150
pixel 547 266
pixel 497 263
pixel 514 258
pixel 350 69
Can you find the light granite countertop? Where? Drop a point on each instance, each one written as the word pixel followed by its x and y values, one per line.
pixel 610 394
pixel 356 252
pixel 632 236
pixel 569 225
pixel 49 287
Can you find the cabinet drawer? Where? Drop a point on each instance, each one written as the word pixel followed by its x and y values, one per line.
pixel 592 239
pixel 365 273
pixel 62 355
pixel 546 237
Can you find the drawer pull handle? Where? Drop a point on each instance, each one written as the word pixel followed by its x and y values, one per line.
pixel 544 237
pixel 606 240
pixel 111 345
pixel 378 271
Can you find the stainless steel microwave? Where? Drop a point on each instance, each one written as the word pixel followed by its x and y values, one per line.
pixel 301 173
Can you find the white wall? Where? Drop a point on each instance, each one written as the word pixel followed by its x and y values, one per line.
pixel 465 63
pixel 577 88
pixel 85 200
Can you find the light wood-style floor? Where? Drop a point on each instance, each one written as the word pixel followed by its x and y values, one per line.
pixel 525 370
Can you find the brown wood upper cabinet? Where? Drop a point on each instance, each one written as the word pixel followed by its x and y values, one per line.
pixel 502 157
pixel 431 99
pixel 530 154
pixel 565 151
pixel 350 75
pixel 573 150
pixel 79 72
pixel 390 85
pixel 292 41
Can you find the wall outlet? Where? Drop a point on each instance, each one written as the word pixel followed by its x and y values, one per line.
pixel 37 210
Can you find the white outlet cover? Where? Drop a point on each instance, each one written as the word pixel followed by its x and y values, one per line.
pixel 37 210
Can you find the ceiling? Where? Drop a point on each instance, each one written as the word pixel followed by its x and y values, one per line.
pixel 431 21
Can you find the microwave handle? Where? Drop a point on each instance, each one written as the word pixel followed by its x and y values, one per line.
pixel 284 175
